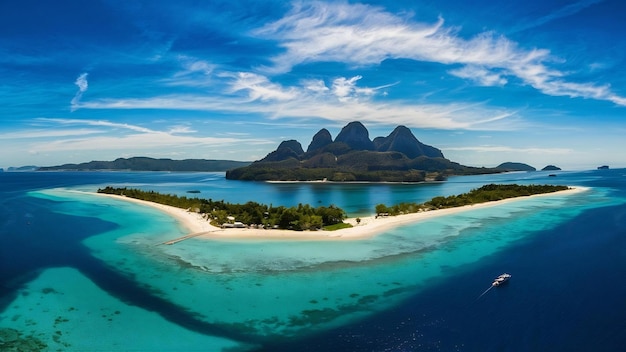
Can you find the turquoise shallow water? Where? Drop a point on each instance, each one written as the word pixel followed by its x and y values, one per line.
pixel 67 311
pixel 248 294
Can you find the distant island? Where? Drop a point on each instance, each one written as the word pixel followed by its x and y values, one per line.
pixel 23 168
pixel 353 156
pixel 513 166
pixel 551 168
pixel 150 164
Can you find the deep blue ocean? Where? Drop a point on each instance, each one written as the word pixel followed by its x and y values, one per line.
pixel 82 273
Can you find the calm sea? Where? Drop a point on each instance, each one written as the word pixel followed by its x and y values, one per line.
pixel 80 272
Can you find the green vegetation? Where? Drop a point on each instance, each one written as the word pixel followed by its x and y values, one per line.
pixel 339 226
pixel 302 217
pixel 356 166
pixel 487 193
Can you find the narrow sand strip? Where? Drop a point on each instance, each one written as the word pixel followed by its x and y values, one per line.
pixel 368 227
pixel 194 222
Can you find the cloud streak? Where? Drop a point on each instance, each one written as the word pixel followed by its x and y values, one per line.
pixel 102 123
pixel 122 136
pixel 194 73
pixel 47 133
pixel 507 149
pixel 568 10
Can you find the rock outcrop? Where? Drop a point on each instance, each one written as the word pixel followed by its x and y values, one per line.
pixel 356 136
pixel 402 140
pixel 286 149
pixel 512 166
pixel 320 140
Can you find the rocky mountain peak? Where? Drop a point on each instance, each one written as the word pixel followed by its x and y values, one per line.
pixel 320 140
pixel 286 149
pixel 402 140
pixel 292 144
pixel 356 136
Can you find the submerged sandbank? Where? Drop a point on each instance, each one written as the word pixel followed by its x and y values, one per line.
pixel 368 226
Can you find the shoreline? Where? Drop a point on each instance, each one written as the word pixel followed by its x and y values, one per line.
pixel 369 227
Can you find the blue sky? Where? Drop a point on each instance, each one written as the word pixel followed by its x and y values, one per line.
pixel 540 82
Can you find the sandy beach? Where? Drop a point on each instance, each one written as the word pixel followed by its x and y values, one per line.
pixel 368 227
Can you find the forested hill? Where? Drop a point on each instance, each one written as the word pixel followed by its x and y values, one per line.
pixel 150 164
pixel 353 156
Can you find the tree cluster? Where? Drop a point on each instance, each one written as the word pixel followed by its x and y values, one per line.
pixel 302 217
pixel 486 193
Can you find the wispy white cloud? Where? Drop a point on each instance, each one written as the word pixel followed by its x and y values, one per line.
pixel 480 75
pixel 315 85
pixel 568 10
pixel 260 87
pixel 142 141
pixel 342 100
pixel 48 133
pixel 82 84
pixel 194 72
pixel 346 89
pixel 103 123
pixel 181 129
pixel 340 32
pixel 121 136
pixel 192 65
pixel 365 35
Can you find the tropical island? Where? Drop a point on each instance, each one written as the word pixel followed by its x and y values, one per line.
pixel 306 218
pixel 353 156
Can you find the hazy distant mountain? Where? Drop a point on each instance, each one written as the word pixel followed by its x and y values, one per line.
pixel 353 156
pixel 512 166
pixel 150 164
pixel 551 168
pixel 23 168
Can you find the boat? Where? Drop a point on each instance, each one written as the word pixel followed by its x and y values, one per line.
pixel 501 279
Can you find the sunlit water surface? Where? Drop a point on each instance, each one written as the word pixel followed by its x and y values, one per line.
pixel 84 272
